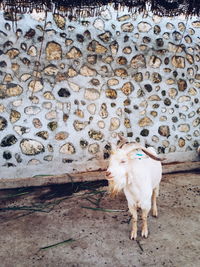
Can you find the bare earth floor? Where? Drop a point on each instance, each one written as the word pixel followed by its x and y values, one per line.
pixel 34 218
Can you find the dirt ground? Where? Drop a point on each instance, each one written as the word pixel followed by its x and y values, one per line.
pixel 80 225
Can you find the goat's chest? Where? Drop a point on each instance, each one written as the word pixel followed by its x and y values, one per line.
pixel 137 190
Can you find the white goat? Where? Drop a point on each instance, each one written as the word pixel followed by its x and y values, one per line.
pixel 138 175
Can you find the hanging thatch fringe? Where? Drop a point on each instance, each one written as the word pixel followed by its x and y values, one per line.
pixel 159 7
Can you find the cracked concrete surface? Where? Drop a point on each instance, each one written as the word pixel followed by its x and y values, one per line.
pixel 37 217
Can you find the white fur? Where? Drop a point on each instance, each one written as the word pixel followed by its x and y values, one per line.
pixel 132 171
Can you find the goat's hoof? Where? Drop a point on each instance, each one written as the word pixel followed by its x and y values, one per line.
pixel 133 235
pixel 155 214
pixel 144 233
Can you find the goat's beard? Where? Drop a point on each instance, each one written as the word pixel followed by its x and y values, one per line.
pixel 116 183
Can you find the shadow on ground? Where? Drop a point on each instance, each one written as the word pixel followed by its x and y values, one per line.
pixel 78 224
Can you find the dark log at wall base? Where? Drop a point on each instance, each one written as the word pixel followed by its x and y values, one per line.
pixel 168 168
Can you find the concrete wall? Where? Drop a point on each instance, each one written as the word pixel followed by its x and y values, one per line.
pixel 68 87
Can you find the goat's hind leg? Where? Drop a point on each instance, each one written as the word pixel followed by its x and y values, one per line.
pixel 133 211
pixel 154 202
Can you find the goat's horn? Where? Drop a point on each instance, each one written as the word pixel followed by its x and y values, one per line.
pixel 147 152
pixel 122 138
pixel 151 155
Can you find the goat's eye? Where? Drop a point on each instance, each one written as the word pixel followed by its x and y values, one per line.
pixel 122 161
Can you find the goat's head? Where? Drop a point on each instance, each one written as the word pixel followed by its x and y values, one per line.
pixel 121 161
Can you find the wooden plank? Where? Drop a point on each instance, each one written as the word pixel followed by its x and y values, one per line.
pixel 85 176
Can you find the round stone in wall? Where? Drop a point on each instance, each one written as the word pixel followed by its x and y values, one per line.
pixel 99 24
pixel 48 95
pixel 184 127
pixel 127 50
pixel 156 77
pixel 53 125
pixel 12 53
pixel 172 92
pixel 138 77
pixel 114 124
pixel 105 37
pixel 8 140
pixel 178 62
pixel 63 92
pixel 181 142
pixel 59 20
pixel 121 60
pixel 112 82
pixel 7 155
pixel 196 24
pixel 121 72
pixel 127 27
pixel 3 123
pixel 32 110
pixel 144 26
pixel 43 134
pixel 103 111
pixel 155 62
pixel 154 98
pixel 184 98
pixel 31 147
pixel 32 51
pixel 96 135
pixel 146 121
pixel 51 70
pixel 74 53
pixel 13 90
pixel 127 88
pixel 14 116
pixel 127 123
pixel 61 136
pixel 53 51
pixel 144 132
pixel 196 122
pixel 114 47
pixel 101 124
pixel 91 94
pixel 164 130
pixel 37 123
pixel 24 77
pixel 182 85
pixel 155 138
pixel 79 125
pixel 93 148
pixel 21 129
pixel 96 47
pixel 35 86
pixel 138 61
pixel 111 93
pixel 68 149
pixel 91 108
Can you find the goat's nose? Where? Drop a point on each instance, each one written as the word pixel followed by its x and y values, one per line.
pixel 108 173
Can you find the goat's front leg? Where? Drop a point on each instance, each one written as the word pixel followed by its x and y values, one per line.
pixel 144 223
pixel 154 204
pixel 133 211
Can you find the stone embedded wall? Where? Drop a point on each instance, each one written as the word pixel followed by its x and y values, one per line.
pixel 68 87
